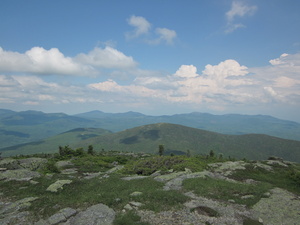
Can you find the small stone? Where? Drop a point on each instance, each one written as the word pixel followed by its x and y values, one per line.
pixel 156 173
pixel 33 182
pixel 247 196
pixel 136 193
pixel 231 201
pixel 58 185
pixel 267 195
pixel 128 207
pixel 135 204
pixel 187 170
pixel 260 220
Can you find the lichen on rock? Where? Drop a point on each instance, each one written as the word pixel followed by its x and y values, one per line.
pixel 58 185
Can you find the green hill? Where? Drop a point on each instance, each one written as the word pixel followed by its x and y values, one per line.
pixel 28 126
pixel 50 145
pixel 178 139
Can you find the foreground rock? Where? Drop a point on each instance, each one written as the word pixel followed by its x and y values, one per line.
pixel 14 212
pixel 28 163
pixel 99 214
pixel 282 207
pixel 95 215
pixel 62 216
pixel 18 175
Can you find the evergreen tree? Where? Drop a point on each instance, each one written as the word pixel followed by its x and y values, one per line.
pixel 161 150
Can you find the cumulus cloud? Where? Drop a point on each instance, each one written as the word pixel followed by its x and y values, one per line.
pixel 186 71
pixel 226 69
pixel 238 10
pixel 106 58
pixel 279 60
pixel 41 61
pixel 140 24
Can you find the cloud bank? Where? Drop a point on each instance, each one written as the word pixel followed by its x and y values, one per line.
pixel 219 87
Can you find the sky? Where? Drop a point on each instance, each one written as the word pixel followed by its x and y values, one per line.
pixel 157 57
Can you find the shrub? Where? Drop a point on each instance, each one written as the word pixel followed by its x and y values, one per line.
pixel 50 167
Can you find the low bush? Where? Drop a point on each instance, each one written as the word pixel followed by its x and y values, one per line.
pixel 150 165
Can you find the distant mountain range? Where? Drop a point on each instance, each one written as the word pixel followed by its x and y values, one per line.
pixel 29 126
pixel 177 139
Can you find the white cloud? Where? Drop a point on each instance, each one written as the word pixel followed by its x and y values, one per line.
pixel 225 69
pixel 279 60
pixel 40 61
pixel 186 71
pixel 106 86
pixel 221 86
pixel 238 10
pixel 285 82
pixel 164 34
pixel 106 58
pixel 141 25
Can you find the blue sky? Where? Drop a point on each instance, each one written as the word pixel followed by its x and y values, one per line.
pixel 155 57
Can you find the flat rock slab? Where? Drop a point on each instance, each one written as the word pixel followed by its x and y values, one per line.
pixel 58 185
pixel 134 177
pixel 226 168
pixel 10 164
pixel 19 175
pixel 61 164
pixel 99 214
pixel 13 212
pixel 115 169
pixel 168 177
pixel 62 216
pixel 282 207
pixel 32 163
pixel 69 171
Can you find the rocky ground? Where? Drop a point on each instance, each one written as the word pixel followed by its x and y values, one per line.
pixel 278 206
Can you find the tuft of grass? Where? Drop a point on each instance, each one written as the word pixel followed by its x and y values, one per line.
pixel 129 218
pixel 286 178
pixel 225 190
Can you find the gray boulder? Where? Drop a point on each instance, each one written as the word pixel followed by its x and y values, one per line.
pixel 58 218
pixel 95 215
pixel 32 163
pixel 13 212
pixel 9 164
pixel 19 175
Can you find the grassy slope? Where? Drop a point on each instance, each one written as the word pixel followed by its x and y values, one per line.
pixel 177 138
pixel 50 145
